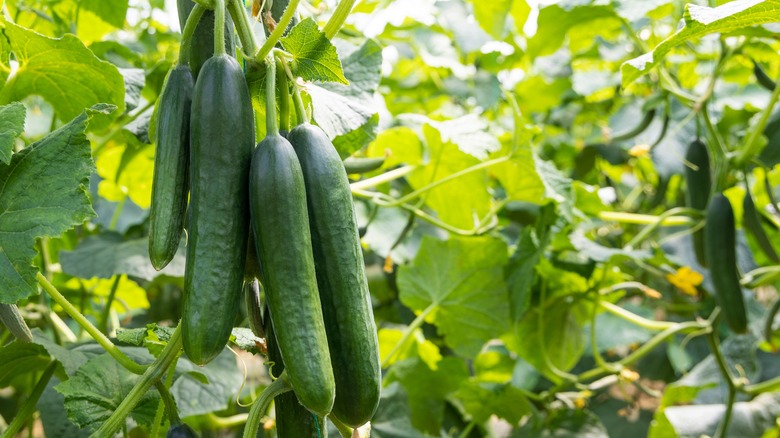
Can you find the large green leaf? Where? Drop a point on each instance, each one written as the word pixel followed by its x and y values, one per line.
pixel 492 15
pixel 315 58
pixel 18 358
pixel 393 417
pixel 42 194
pixel 700 21
pixel 66 73
pixel 462 280
pixel 554 23
pixel 111 11
pixel 11 126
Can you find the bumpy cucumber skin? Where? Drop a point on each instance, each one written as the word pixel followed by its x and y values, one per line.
pixel 253 309
pixel 341 277
pixel 171 179
pixel 292 419
pixel 13 321
pixel 203 39
pixel 699 187
pixel 752 222
pixel 281 230
pixel 221 139
pixel 181 431
pixel 721 249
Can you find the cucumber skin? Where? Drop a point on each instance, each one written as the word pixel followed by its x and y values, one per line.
pixel 720 245
pixel 281 229
pixel 13 321
pixel 221 138
pixel 203 38
pixel 292 419
pixel 181 431
pixel 752 223
pixel 171 179
pixel 699 187
pixel 341 277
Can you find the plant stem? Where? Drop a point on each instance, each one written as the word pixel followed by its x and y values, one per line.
pixel 219 28
pixel 344 430
pixel 243 27
pixel 186 34
pixel 276 35
pixel 117 212
pixel 753 146
pixel 646 219
pixel 636 319
pixel 338 18
pixel 284 96
pixel 107 310
pixel 93 331
pixel 645 232
pixel 383 178
pixel 300 108
pixel 150 377
pixel 418 321
pixel 723 427
pixel 260 406
pixel 28 408
pixel 271 125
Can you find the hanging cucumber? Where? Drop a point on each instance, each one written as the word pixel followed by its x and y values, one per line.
pixel 221 137
pixel 203 38
pixel 341 277
pixel 281 230
pixel 721 251
pixel 752 223
pixel 181 431
pixel 253 310
pixel 697 196
pixel 363 165
pixel 13 321
pixel 171 181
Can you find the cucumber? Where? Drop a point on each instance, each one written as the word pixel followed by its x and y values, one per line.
pixel 752 223
pixel 721 250
pixel 253 310
pixel 341 277
pixel 203 39
pixel 13 321
pixel 281 230
pixel 221 139
pixel 697 196
pixel 292 419
pixel 363 165
pixel 171 180
pixel 181 431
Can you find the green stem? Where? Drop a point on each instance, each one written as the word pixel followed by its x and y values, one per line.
pixel 187 32
pixel 213 421
pixel 284 96
pixel 271 125
pixel 344 430
pixel 150 377
pixel 645 232
pixel 338 18
pixel 276 35
pixel 383 178
pixel 540 332
pixel 107 309
pixel 243 27
pixel 117 213
pixel 219 28
pixel 300 108
pixel 646 219
pixel 723 427
pixel 93 331
pixel 28 408
pixel 408 332
pixel 636 319
pixel 260 406
pixel 753 146
pixel 169 402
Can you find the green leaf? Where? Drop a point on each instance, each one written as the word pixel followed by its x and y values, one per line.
pixel 43 193
pixel 247 341
pixel 481 400
pixel 11 126
pixel 428 389
pixel 315 58
pixel 5 64
pixel 462 280
pixel 111 11
pixel 492 15
pixel 71 359
pixel 66 73
pixel 393 417
pixel 564 423
pixel 700 21
pixel 97 389
pixel 105 255
pixel 194 397
pixel 554 23
pixel 18 358
pixel 749 419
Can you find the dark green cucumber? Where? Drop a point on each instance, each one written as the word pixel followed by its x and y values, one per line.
pixel 221 139
pixel 341 277
pixel 13 321
pixel 752 223
pixel 721 250
pixel 253 310
pixel 281 229
pixel 203 39
pixel 697 196
pixel 181 431
pixel 363 165
pixel 171 180
pixel 292 419
pixel 762 78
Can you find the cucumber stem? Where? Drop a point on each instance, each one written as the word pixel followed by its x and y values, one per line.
pixel 187 32
pixel 300 108
pixel 219 28
pixel 276 35
pixel 28 408
pixel 338 18
pixel 260 406
pixel 150 377
pixel 243 27
pixel 284 96
pixel 93 331
pixel 753 146
pixel 271 125
pixel 344 430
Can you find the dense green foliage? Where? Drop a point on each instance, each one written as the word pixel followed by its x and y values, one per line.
pixel 534 187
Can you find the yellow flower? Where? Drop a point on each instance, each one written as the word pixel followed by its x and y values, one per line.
pixel 639 150
pixel 686 280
